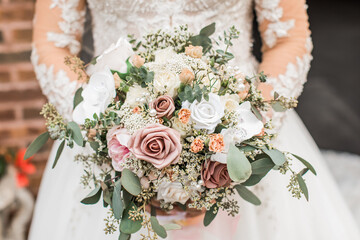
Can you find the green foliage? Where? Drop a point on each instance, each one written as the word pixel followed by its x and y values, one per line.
pixel 203 38
pixel 130 182
pixel 247 195
pixel 306 163
pixel 276 156
pixel 158 229
pixel 77 97
pixel 3 166
pixel 124 236
pixel 256 112
pixel 303 186
pixel 76 133
pixel 210 215
pixel 36 145
pixel 58 153
pixel 171 226
pixel 261 166
pixel 117 203
pixel 238 165
pixel 278 106
pixel 129 225
pixel 93 197
pixel 187 93
pixel 262 77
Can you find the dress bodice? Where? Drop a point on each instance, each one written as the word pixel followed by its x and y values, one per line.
pixel 139 17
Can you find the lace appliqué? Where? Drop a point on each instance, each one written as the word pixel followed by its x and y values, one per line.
pixel 71 26
pixel 270 10
pixel 57 87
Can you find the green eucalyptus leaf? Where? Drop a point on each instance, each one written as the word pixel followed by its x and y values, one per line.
pixel 303 186
pixel 256 112
pixel 94 145
pixel 219 127
pixel 208 30
pixel 93 61
pixel 306 163
pixel 171 226
pixel 127 197
pixel 278 106
pixel 36 145
pixel 158 229
pixel 77 97
pixel 254 179
pixel 58 153
pixel 93 197
pixel 124 236
pixel 130 182
pixel 238 165
pixel 276 156
pixel 247 148
pixel 117 203
pixel 261 166
pixel 210 215
pixel 77 136
pixel 247 195
pixel 127 225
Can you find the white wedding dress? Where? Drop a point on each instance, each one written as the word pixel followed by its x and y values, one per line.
pixel 59 215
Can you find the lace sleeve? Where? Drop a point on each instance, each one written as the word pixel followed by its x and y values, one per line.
pixel 287 45
pixel 58 26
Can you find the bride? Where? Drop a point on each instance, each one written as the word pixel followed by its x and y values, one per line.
pixel 286 56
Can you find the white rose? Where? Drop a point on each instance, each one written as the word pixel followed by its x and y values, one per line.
pixel 230 101
pixel 180 127
pixel 166 82
pixel 135 92
pixel 97 95
pixel 114 57
pixel 163 55
pixel 206 114
pixel 211 81
pixel 172 192
pixel 248 124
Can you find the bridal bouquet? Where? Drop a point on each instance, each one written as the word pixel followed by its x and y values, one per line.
pixel 171 121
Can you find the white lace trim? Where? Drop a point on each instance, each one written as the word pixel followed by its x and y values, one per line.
pixel 71 26
pixel 57 87
pixel 270 10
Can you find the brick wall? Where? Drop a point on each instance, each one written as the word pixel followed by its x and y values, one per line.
pixel 20 95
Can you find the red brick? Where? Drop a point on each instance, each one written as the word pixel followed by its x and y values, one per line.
pixel 6 115
pixel 7 15
pixel 15 57
pixel 26 75
pixel 30 113
pixel 4 134
pixel 22 35
pixel 4 77
pixel 18 95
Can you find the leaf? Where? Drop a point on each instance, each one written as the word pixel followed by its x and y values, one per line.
pixel 124 236
pixel 256 112
pixel 210 215
pixel 247 148
pixel 208 30
pixel 77 136
pixel 254 179
pixel 303 186
pixel 158 229
pixel 276 156
pixel 247 195
pixel 58 153
pixel 93 197
pixel 130 182
pixel 127 197
pixel 93 61
pixel 219 127
pixel 77 97
pixel 36 145
pixel 94 145
pixel 306 163
pixel 238 165
pixel 201 40
pixel 261 166
pixel 117 203
pixel 106 194
pixel 171 226
pixel 127 225
pixel 278 106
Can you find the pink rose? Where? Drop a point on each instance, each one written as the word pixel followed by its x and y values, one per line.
pixel 164 106
pixel 117 139
pixel 215 174
pixel 156 144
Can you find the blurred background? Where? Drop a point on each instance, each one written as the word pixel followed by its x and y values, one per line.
pixel 329 105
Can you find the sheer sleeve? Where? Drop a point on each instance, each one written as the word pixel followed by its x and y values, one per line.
pixel 287 45
pixel 58 27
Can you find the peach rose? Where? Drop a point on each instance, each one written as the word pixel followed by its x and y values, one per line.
pixel 216 143
pixel 194 51
pixel 156 144
pixel 136 109
pixel 184 115
pixel 186 76
pixel 164 106
pixel 117 80
pixel 215 174
pixel 197 145
pixel 138 61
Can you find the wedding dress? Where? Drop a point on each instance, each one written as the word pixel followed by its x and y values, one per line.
pixel 286 58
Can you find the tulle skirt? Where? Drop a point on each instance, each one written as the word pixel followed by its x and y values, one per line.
pixel 59 215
